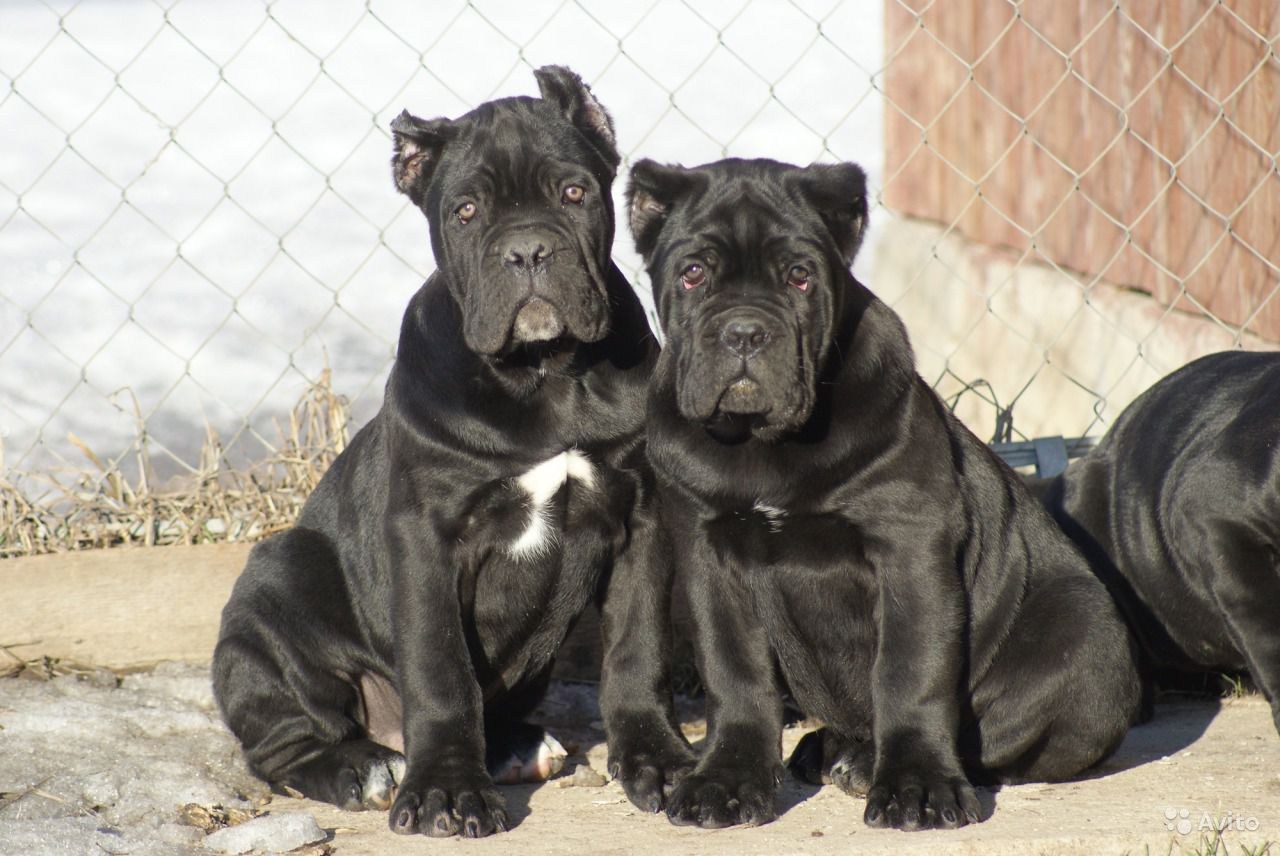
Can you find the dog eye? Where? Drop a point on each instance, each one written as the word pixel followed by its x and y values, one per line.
pixel 693 276
pixel 798 277
pixel 574 194
pixel 465 212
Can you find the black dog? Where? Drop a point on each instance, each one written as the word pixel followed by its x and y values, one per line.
pixel 444 557
pixel 836 518
pixel 1179 510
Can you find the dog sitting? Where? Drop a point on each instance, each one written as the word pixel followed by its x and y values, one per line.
pixel 835 519
pixel 386 649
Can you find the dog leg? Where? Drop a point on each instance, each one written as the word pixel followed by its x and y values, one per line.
pixel 919 781
pixel 278 676
pixel 446 789
pixel 737 778
pixel 1086 695
pixel 647 752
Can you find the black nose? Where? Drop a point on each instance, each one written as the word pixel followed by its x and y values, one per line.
pixel 745 336
pixel 524 252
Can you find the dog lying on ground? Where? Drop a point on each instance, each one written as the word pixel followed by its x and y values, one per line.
pixel 1178 509
pixel 418 603
pixel 833 517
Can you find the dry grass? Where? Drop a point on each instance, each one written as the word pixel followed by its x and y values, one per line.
pixel 101 507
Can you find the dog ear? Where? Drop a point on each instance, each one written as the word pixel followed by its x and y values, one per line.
pixel 653 189
pixel 418 143
pixel 839 193
pixel 565 90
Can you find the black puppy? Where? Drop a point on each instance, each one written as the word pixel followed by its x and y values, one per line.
pixel 1179 510
pixel 834 517
pixel 444 557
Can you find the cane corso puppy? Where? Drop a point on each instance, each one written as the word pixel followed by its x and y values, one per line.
pixel 1178 508
pixel 834 518
pixel 418 603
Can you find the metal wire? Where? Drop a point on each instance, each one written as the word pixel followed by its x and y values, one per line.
pixel 180 192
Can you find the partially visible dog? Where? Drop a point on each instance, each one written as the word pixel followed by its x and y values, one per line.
pixel 833 517
pixel 1178 508
pixel 419 602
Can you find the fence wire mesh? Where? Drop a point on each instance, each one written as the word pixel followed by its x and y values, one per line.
pixel 1100 144
pixel 196 216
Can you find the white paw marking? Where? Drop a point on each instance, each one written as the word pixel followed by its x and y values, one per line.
pixel 381 778
pixel 542 483
pixel 546 762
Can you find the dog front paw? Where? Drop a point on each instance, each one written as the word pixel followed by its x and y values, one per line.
pixel 714 799
pixel 907 800
pixel 442 806
pixel 648 773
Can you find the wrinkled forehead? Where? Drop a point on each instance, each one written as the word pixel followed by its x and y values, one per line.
pixel 517 141
pixel 742 217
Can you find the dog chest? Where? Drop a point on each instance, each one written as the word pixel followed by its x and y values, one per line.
pixel 766 536
pixel 814 593
pixel 532 556
pixel 539 530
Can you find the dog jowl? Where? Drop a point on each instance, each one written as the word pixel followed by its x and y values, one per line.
pixel 836 520
pixel 386 650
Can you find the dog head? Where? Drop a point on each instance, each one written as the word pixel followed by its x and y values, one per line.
pixel 749 262
pixel 516 193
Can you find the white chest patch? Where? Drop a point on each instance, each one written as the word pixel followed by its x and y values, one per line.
pixel 542 483
pixel 772 514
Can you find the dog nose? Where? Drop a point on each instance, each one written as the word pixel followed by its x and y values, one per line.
pixel 525 252
pixel 746 337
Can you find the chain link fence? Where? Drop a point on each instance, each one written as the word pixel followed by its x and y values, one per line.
pixel 1122 158
pixel 197 219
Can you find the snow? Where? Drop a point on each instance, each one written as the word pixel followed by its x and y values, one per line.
pixel 91 764
pixel 275 833
pixel 86 762
pixel 76 836
pixel 197 214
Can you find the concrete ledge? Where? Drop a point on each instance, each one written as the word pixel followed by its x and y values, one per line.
pixel 1068 351
pixel 125 608
pixel 131 608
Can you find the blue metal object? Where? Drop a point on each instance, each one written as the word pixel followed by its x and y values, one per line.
pixel 1049 455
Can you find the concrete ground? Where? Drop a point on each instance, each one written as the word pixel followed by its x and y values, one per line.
pixel 1196 766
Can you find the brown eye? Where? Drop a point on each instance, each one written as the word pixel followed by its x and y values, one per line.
pixel 693 276
pixel 798 277
pixel 465 212
pixel 574 194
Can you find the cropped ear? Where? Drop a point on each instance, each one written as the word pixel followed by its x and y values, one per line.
pixel 566 91
pixel 839 194
pixel 418 143
pixel 652 191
